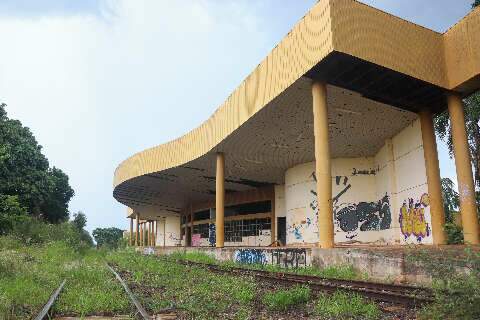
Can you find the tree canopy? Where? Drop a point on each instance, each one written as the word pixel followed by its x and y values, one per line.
pixel 108 237
pixel 476 3
pixel 25 173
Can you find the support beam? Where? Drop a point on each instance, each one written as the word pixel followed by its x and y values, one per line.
pixel 432 167
pixel 164 232
pixel 220 200
pixel 273 221
pixel 141 234
pixel 466 188
pixel 155 226
pixel 149 233
pixel 137 228
pixel 191 224
pixel 323 165
pixel 130 239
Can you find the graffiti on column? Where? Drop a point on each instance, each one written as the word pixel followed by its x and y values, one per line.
pixel 211 234
pixel 250 256
pixel 412 218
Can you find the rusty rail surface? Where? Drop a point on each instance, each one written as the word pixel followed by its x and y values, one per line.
pixel 134 300
pixel 397 294
pixel 44 312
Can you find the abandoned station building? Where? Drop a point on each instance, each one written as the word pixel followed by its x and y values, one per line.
pixel 328 142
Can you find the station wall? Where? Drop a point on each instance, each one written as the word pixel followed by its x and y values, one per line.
pixel 168 231
pixel 381 199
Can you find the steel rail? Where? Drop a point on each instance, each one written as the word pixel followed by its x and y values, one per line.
pixel 401 294
pixel 137 304
pixel 44 312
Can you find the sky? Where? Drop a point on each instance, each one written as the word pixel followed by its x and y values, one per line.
pixel 99 80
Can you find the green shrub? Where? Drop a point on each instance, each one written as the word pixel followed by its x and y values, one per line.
pixel 282 300
pixel 10 211
pixel 341 305
pixel 456 284
pixel 454 233
pixel 32 231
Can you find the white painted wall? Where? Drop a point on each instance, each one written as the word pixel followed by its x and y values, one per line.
pixel 368 195
pixel 170 227
pixel 412 184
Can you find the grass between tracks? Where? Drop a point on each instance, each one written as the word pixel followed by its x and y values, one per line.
pixel 30 274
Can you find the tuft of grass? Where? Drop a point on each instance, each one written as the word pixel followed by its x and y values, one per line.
pixel 282 300
pixel 341 305
pixel 194 257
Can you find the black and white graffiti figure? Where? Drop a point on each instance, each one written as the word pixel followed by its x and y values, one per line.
pixel 363 216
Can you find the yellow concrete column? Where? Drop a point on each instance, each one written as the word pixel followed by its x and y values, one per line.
pixel 323 165
pixel 141 234
pixel 130 240
pixel 466 188
pixel 432 167
pixel 155 226
pixel 220 200
pixel 137 233
pixel 149 233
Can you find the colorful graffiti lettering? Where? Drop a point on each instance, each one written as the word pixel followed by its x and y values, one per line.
pixel 250 256
pixel 412 218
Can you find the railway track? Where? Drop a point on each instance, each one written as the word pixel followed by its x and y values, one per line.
pixel 141 311
pixel 397 294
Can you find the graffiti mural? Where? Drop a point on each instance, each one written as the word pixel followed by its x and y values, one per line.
pixel 354 217
pixel 196 240
pixel 250 256
pixel 211 234
pixel 412 218
pixel 284 258
pixel 289 258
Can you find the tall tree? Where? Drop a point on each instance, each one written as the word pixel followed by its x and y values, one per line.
pixel 25 173
pixel 108 237
pixel 79 220
pixel 472 120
